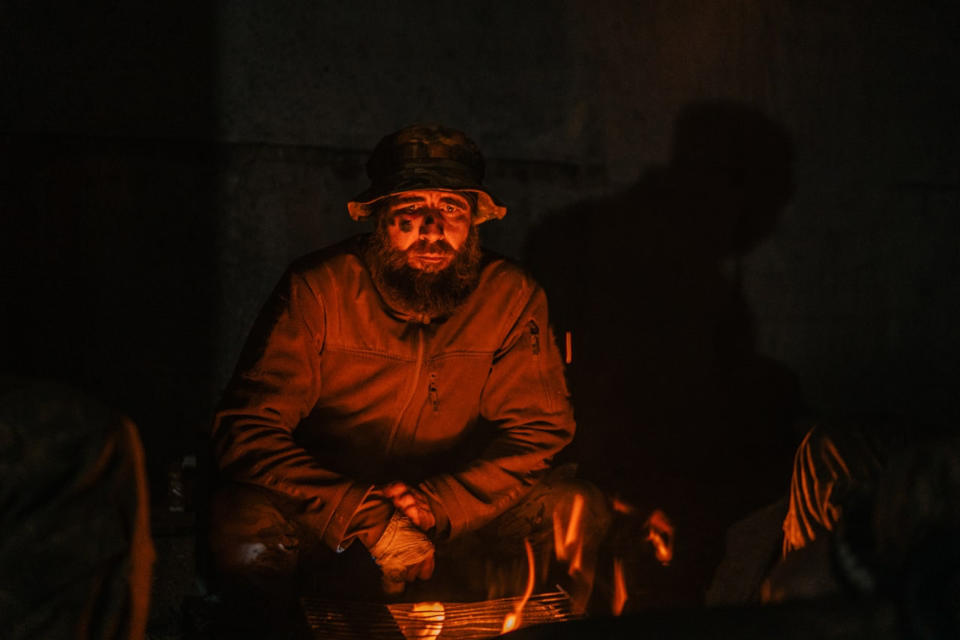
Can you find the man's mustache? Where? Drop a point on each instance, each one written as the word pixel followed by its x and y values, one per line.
pixel 436 247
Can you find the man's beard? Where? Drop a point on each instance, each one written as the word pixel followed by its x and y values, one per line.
pixel 432 293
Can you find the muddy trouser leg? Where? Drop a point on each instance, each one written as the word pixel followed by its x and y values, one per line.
pixel 76 555
pixel 493 559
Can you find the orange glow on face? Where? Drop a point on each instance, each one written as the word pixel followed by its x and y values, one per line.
pixel 619 587
pixel 512 620
pixel 430 215
pixel 660 535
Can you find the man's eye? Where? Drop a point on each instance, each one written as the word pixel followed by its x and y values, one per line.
pixel 451 208
pixel 405 225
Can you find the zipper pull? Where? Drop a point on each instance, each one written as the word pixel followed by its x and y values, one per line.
pixel 434 394
pixel 534 337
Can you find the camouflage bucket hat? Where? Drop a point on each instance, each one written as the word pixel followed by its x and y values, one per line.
pixel 426 157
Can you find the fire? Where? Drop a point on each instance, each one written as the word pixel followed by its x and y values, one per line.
pixel 512 620
pixel 425 620
pixel 567 542
pixel 576 564
pixel 509 623
pixel 660 535
pixel 619 587
pixel 622 507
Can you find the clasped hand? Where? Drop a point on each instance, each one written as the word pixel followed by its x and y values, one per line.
pixel 412 503
pixel 403 553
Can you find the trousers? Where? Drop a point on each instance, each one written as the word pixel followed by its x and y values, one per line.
pixel 262 552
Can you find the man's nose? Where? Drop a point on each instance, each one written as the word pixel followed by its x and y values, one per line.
pixel 431 227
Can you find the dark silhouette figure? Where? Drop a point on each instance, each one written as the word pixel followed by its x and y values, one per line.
pixel 676 408
pixel 76 557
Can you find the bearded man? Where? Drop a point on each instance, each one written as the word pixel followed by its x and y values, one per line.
pixel 401 389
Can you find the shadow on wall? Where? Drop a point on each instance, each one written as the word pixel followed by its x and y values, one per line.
pixel 676 408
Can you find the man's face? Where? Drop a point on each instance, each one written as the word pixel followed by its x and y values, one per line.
pixel 429 226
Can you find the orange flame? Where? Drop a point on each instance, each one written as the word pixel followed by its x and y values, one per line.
pixel 512 621
pixel 622 507
pixel 619 587
pixel 576 565
pixel 425 620
pixel 567 542
pixel 660 535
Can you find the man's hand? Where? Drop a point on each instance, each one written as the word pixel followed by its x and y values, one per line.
pixel 403 553
pixel 413 503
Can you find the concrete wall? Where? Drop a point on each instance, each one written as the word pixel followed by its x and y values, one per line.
pixel 854 288
pixel 257 118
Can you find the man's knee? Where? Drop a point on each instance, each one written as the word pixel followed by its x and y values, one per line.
pixel 559 503
pixel 583 500
pixel 250 533
pixel 830 463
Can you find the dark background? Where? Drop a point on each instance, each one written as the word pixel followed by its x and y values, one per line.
pixel 745 212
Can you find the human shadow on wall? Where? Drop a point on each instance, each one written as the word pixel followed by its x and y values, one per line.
pixel 676 408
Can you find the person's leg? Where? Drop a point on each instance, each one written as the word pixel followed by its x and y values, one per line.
pixel 563 518
pixel 261 551
pixel 254 546
pixel 834 468
pixel 77 557
pixel 828 465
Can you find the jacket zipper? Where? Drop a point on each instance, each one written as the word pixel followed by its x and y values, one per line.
pixel 434 394
pixel 414 385
pixel 535 348
pixel 534 337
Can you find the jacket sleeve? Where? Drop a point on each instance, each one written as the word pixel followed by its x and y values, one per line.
pixel 276 385
pixel 526 399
